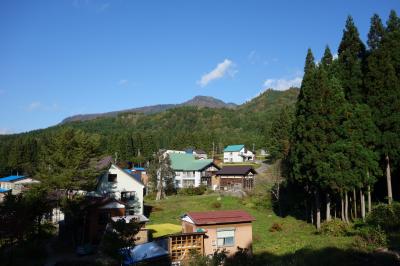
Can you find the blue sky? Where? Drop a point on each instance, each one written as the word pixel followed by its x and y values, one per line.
pixel 60 58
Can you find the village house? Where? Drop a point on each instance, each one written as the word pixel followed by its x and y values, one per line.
pixel 224 230
pixel 237 154
pixel 198 154
pixel 124 186
pixel 16 183
pixel 97 213
pixel 191 172
pixel 234 177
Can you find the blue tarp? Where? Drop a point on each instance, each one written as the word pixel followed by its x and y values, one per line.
pixel 2 190
pixel 143 252
pixel 11 178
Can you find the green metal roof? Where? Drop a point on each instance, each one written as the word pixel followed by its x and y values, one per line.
pixel 231 148
pixel 187 162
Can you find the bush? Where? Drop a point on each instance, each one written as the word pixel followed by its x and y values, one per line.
pixel 276 227
pixel 192 191
pixel 370 237
pixel 216 205
pixel 335 227
pixel 385 216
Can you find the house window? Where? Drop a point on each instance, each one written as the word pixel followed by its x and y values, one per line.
pixel 225 237
pixel 187 183
pixel 112 177
pixel 128 195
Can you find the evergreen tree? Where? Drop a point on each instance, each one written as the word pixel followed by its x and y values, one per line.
pixel 351 53
pixel 376 32
pixel 67 160
pixel 327 59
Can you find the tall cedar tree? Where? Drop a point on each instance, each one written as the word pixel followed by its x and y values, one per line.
pixel 383 94
pixel 67 160
pixel 376 32
pixel 351 53
pixel 279 135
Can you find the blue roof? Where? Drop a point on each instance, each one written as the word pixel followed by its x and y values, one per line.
pixel 143 252
pixel 231 148
pixel 139 168
pixel 3 190
pixel 137 176
pixel 11 178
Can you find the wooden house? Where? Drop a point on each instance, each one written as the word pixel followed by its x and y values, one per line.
pixel 235 177
pixel 224 230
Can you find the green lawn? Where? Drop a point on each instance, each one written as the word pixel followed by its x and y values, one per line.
pixel 296 234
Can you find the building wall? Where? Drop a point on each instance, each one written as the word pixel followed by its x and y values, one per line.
pixel 124 182
pixel 236 156
pixel 233 157
pixel 187 175
pixel 243 236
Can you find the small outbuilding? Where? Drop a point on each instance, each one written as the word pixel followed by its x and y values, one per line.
pixel 235 177
pixel 224 230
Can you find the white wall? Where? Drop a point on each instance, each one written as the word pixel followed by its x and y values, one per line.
pixel 236 156
pixel 188 175
pixel 124 182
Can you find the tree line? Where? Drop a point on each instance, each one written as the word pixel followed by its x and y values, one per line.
pixel 344 132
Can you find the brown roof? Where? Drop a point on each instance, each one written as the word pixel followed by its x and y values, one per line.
pixel 220 217
pixel 236 170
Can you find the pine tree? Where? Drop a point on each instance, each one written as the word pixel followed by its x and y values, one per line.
pixel 376 32
pixel 327 59
pixel 351 54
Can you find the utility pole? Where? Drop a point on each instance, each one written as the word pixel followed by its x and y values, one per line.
pixel 213 151
pixel 253 148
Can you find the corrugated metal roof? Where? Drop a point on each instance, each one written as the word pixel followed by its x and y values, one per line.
pixel 187 162
pixel 231 148
pixel 11 178
pixel 236 170
pixel 220 217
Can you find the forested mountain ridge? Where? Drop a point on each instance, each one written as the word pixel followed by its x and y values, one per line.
pixel 199 101
pixel 135 136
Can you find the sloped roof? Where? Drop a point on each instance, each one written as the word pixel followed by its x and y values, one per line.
pixel 236 170
pixel 12 178
pixel 220 217
pixel 143 252
pixel 231 148
pixel 188 162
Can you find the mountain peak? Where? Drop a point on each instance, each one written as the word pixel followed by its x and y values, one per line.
pixel 207 101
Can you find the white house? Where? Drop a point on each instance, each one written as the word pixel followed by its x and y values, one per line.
pixel 190 172
pixel 16 183
pixel 123 186
pixel 237 154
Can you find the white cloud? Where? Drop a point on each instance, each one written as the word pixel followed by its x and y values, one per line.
pixel 282 84
pixel 33 106
pixel 38 106
pixel 226 67
pixel 123 82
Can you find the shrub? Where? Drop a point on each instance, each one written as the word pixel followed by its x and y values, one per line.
pixel 335 227
pixel 216 205
pixel 276 227
pixel 370 237
pixel 385 216
pixel 191 191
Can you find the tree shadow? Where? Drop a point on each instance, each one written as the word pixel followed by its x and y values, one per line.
pixel 310 257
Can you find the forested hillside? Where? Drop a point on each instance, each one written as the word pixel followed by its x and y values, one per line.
pixel 135 136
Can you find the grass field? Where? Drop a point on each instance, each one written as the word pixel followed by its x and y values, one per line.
pixel 295 234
